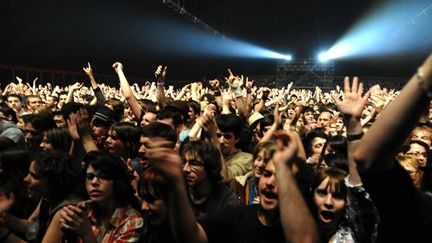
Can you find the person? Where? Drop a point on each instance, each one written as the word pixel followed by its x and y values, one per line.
pixel 57 139
pixel 281 216
pixel 202 165
pixel 410 215
pixel 112 214
pixel 54 180
pixel 246 187
pixel 123 139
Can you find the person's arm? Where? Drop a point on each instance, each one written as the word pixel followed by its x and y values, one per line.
pixel 74 219
pixel 215 87
pixel 74 87
pixel 249 98
pixel 100 99
pixel 297 222
pixel 379 145
pixel 352 107
pixel 160 75
pixel 181 217
pixel 79 128
pixel 127 90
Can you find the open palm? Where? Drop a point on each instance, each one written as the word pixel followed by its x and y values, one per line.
pixel 353 102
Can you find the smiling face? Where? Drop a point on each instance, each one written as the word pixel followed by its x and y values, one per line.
pixel 329 202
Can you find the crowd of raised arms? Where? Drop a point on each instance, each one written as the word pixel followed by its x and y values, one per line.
pixel 223 161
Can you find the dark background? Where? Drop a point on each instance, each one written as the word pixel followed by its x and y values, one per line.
pixel 66 34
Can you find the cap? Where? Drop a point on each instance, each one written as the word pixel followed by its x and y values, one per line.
pixel 255 117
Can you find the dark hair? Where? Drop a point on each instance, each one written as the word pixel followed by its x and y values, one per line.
pixel 117 107
pixel 336 178
pixel 152 185
pixel 307 141
pixel 43 121
pixel 62 173
pixel 267 120
pixel 116 170
pixel 174 115
pixel 230 123
pixel 195 106
pixel 20 98
pixel 70 107
pixel 209 154
pixel 159 130
pixel 9 112
pixel 210 97
pixel 129 135
pixel 60 139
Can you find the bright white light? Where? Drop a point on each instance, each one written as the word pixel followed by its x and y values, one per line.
pixel 323 56
pixel 288 57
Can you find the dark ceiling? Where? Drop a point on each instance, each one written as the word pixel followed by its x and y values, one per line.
pixel 66 34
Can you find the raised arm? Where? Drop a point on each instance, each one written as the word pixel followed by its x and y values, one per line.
pixel 98 92
pixel 297 222
pixel 127 90
pixel 160 75
pixel 180 213
pixel 352 107
pixel 379 145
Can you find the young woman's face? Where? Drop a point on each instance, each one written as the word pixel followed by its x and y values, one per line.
pixel 37 186
pixel 45 145
pixel 329 203
pixel 113 143
pixel 317 145
pixel 154 210
pixel 259 163
pixel 99 188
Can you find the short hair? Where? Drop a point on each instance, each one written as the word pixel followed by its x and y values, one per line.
pixel 336 178
pixel 117 107
pixel 307 141
pixel 159 130
pixel 174 115
pixel 268 146
pixel 229 123
pixel 195 106
pixel 210 155
pixel 9 112
pixel 20 98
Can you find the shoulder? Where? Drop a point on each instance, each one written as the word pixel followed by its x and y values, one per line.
pixel 127 218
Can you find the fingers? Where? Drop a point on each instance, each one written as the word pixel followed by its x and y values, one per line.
pixel 354 86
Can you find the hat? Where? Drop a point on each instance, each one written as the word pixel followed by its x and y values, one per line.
pixel 255 117
pixel 105 115
pixel 179 106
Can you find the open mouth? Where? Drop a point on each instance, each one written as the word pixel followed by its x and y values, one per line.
pixel 269 194
pixel 327 216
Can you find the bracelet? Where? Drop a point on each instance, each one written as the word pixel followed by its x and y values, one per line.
pixel 4 237
pixel 352 137
pixel 422 82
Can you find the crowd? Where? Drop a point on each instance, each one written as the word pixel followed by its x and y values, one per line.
pixel 223 161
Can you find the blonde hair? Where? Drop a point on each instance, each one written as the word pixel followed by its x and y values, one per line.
pixel 407 160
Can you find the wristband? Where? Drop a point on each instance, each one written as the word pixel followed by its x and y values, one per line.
pixel 352 137
pixel 160 83
pixel 422 82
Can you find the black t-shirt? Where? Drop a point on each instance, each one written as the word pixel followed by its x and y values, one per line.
pixel 405 212
pixel 240 224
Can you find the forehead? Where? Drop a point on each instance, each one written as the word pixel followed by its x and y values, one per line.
pixel 325 114
pixel 12 98
pixel 318 140
pixel 417 147
pixel 144 139
pixel 270 167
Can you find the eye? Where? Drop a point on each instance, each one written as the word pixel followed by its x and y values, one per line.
pixel 338 195
pixel 321 192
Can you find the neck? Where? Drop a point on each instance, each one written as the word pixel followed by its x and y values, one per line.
pixel 105 210
pixel 200 192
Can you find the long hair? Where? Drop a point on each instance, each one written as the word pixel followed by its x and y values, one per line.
pixel 60 139
pixel 129 135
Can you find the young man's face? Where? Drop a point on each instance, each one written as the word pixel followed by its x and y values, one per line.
pixel 267 188
pixel 227 142
pixel 14 103
pixel 34 103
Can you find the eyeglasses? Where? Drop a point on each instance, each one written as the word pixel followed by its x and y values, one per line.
pixel 227 136
pixel 193 163
pixel 101 177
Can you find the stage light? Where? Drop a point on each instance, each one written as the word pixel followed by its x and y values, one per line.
pixel 323 56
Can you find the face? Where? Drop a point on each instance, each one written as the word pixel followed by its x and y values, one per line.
pixel 34 103
pixel 62 99
pixel 192 115
pixel 422 136
pixel 114 145
pixel 98 130
pixel 193 169
pixel 418 152
pixel 317 145
pixel 60 121
pixel 154 210
pixel 99 188
pixel 267 188
pixel 227 142
pixel 51 102
pixel 259 163
pixel 324 119
pixel 339 124
pixel 148 118
pixel 37 186
pixel 45 145
pixel 291 112
pixel 309 117
pixel 330 204
pixel 144 144
pixel 14 103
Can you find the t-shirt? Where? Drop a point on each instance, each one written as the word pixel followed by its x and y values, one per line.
pixel 240 224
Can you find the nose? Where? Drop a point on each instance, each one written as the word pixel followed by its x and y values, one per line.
pixel 142 150
pixel 186 168
pixel 328 203
pixel 27 179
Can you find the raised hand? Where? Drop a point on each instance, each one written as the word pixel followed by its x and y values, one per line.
pixel 75 86
pixel 354 102
pixel 88 70
pixel 160 72
pixel 166 160
pixel 234 81
pixel 118 67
